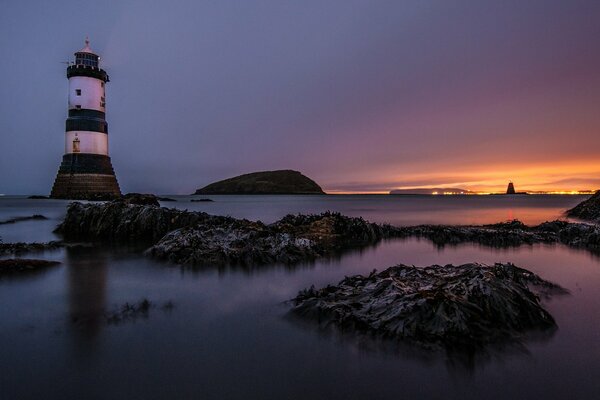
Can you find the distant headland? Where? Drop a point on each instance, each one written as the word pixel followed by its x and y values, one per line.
pixel 264 182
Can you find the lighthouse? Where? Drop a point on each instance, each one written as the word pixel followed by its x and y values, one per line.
pixel 86 171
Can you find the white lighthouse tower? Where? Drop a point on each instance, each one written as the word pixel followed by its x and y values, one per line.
pixel 86 171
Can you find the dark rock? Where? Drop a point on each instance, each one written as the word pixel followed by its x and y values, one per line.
pixel 165 199
pixel 22 248
pixel 24 265
pixel 198 238
pixel 140 199
pixel 266 182
pixel 588 209
pixel 507 234
pixel 118 221
pixel 19 219
pixel 467 305
pixel 201 200
pixel 291 240
pixel 37 197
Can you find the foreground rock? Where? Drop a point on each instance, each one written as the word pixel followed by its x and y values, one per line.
pixel 198 238
pixel 588 210
pixel 467 305
pixel 266 182
pixel 513 233
pixel 22 248
pixel 24 265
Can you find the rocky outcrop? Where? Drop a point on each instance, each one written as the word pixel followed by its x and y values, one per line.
pixel 198 238
pixel 119 221
pixel 466 305
pixel 588 209
pixel 266 182
pixel 293 239
pixel 24 265
pixel 507 234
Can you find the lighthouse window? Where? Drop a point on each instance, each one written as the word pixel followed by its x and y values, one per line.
pixel 78 92
pixel 102 84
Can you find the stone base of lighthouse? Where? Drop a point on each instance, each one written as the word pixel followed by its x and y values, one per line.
pixel 85 177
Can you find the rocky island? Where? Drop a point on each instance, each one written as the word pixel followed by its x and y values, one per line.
pixel 265 182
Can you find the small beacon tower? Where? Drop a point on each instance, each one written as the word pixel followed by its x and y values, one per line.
pixel 86 171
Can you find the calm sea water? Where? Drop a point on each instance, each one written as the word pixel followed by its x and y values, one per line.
pixel 228 338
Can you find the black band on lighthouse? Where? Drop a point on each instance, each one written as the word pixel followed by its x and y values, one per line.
pixel 86 70
pixel 83 112
pixel 85 163
pixel 86 124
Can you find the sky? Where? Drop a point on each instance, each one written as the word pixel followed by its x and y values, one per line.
pixel 361 96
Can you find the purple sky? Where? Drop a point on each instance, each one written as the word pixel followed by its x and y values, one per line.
pixel 359 95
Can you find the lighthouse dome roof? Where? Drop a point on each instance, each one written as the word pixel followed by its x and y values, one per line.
pixel 86 48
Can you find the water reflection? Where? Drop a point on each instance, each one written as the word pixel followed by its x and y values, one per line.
pixel 87 277
pixel 457 359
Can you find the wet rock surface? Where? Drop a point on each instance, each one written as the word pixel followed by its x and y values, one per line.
pixel 588 209
pixel 468 305
pixel 24 265
pixel 512 233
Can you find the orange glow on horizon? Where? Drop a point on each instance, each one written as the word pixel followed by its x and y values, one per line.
pixel 561 177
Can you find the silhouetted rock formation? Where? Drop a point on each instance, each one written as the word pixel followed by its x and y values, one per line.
pixel 588 209
pixel 266 182
pixel 510 189
pixel 467 305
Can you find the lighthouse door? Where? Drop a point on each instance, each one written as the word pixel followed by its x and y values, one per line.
pixel 76 145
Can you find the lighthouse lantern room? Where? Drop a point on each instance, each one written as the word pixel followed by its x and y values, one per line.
pixel 86 170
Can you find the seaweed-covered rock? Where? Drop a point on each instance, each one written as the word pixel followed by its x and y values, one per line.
pixel 118 221
pixel 588 209
pixel 293 239
pixel 188 237
pixel 466 305
pixel 512 233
